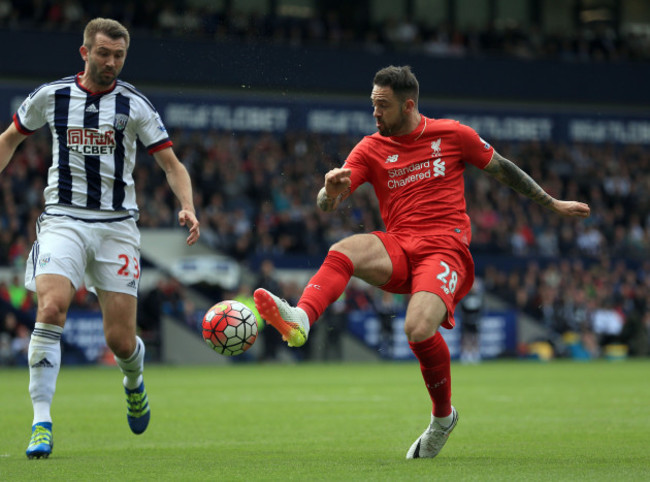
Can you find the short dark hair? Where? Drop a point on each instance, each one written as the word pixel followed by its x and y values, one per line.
pixel 401 80
pixel 107 26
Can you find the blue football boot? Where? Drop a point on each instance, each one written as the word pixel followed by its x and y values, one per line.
pixel 137 409
pixel 41 443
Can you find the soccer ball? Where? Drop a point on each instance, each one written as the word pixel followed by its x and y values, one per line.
pixel 229 328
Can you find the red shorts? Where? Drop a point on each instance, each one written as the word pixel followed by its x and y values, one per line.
pixel 437 264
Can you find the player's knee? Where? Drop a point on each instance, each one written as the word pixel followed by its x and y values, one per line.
pixel 344 246
pixel 416 332
pixel 358 246
pixel 420 325
pixel 51 312
pixel 121 346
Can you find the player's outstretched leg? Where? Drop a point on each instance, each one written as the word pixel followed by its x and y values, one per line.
pixel 292 323
pixel 41 442
pixel 434 438
pixel 137 409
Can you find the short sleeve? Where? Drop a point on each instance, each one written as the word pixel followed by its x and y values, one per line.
pixel 30 115
pixel 151 130
pixel 476 151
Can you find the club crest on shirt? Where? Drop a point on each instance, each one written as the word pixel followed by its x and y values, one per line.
pixel 120 121
pixel 435 145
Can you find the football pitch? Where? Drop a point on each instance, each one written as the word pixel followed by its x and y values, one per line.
pixel 248 422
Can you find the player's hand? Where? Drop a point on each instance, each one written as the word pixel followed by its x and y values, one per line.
pixel 571 208
pixel 337 181
pixel 188 218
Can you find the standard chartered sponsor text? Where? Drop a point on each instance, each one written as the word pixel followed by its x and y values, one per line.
pixel 413 172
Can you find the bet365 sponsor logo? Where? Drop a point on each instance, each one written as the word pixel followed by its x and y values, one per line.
pixel 91 142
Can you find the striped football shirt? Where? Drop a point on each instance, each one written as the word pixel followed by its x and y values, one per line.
pixel 93 142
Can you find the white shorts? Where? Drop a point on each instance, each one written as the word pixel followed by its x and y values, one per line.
pixel 104 255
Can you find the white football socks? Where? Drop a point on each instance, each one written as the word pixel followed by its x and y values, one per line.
pixel 44 357
pixel 133 366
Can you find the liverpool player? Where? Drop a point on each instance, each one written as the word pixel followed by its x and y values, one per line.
pixel 88 229
pixel 415 165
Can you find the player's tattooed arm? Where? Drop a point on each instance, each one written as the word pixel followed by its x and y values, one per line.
pixel 326 203
pixel 508 173
pixel 335 190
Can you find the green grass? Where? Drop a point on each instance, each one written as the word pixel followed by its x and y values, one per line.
pixel 518 421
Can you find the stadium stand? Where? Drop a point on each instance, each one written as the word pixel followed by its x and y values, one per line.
pixel 255 191
pixel 561 271
pixel 595 41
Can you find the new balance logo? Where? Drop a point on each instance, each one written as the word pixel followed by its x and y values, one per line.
pixel 92 109
pixel 131 284
pixel 392 158
pixel 438 168
pixel 44 363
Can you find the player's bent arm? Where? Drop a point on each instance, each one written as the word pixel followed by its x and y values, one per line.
pixel 335 190
pixel 10 139
pixel 327 203
pixel 508 173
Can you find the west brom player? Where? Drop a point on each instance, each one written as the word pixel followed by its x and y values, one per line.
pixel 87 232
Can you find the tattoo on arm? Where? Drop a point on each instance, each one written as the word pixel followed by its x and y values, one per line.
pixel 324 202
pixel 509 174
pixel 327 203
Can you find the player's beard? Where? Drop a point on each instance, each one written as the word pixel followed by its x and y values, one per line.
pixel 104 77
pixel 389 129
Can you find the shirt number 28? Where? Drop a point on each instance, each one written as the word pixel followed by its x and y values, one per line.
pixel 448 278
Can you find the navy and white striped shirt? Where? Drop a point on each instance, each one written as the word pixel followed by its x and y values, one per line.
pixel 93 142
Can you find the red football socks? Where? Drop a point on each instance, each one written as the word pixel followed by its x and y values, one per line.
pixel 327 285
pixel 435 364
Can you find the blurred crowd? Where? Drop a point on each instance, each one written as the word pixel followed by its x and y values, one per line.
pixel 255 197
pixel 255 192
pixel 598 41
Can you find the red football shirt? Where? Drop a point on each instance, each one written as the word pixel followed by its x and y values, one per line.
pixel 418 178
